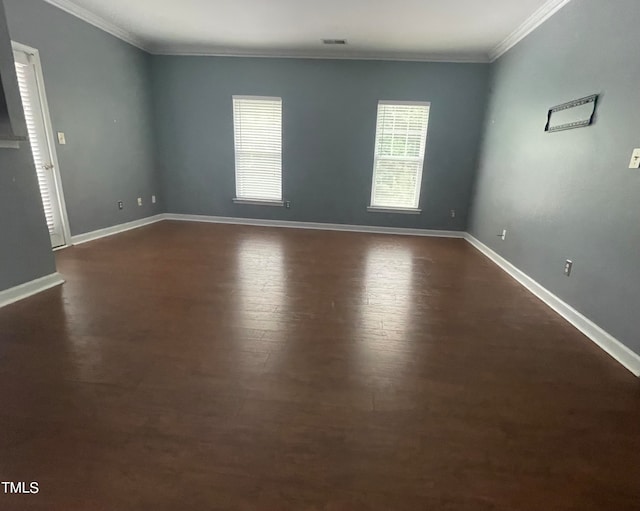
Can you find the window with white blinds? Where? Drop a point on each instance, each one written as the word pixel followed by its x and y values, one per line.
pixel 258 144
pixel 401 137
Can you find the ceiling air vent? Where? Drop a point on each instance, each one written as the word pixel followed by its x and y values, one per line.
pixel 335 42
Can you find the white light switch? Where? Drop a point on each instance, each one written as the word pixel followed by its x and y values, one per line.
pixel 62 140
pixel 635 159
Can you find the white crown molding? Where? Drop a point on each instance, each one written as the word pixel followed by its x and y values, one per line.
pixel 116 229
pixel 312 225
pixel 603 339
pixel 15 294
pixel 199 51
pixel 545 12
pixel 99 22
pixel 194 51
pixel 533 22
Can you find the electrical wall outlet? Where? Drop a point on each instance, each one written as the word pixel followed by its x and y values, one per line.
pixel 568 267
pixel 153 199
pixel 287 204
pixel 62 139
pixel 453 213
pixel 139 201
pixel 635 159
pixel 120 204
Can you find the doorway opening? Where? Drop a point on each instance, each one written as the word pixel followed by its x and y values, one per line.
pixel 41 138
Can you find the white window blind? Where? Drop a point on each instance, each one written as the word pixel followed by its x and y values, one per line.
pixel 258 144
pixel 401 137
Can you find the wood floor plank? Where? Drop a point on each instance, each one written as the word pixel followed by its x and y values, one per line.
pixel 193 366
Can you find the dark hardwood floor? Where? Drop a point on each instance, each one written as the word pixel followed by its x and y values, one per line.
pixel 215 367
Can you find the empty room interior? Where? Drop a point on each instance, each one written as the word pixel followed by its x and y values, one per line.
pixel 339 256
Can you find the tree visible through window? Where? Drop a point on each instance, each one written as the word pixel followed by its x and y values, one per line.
pixel 401 136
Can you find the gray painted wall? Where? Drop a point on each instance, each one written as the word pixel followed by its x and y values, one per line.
pixel 329 118
pixel 569 195
pixel 9 84
pixel 99 94
pixel 25 251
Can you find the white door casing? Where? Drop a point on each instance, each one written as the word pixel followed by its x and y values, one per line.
pixel 41 138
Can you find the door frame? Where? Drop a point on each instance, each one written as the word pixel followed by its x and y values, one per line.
pixel 51 139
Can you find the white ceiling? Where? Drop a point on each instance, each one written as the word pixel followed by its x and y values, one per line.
pixel 455 30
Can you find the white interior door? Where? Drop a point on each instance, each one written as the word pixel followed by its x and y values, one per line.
pixel 42 144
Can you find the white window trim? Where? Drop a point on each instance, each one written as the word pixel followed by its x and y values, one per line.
pixel 257 202
pixel 257 98
pixel 404 211
pixel 407 103
pixel 381 209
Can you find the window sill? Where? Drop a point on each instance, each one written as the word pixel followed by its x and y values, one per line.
pixel 256 202
pixel 402 211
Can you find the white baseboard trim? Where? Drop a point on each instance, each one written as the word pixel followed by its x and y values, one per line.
pixel 116 229
pixel 15 294
pixel 312 225
pixel 606 341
